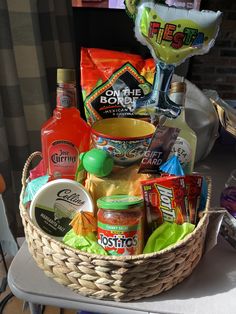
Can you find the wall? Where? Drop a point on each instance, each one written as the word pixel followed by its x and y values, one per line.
pixel 217 69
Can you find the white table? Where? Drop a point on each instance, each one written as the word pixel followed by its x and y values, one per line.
pixel 210 289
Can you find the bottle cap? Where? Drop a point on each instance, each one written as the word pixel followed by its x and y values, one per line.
pixel 97 162
pixel 66 76
pixel 178 87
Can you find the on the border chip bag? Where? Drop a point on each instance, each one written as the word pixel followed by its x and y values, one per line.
pixel 111 81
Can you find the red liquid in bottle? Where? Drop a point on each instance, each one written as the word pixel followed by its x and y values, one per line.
pixel 65 135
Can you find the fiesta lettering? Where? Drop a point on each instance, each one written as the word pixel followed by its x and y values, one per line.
pixel 189 36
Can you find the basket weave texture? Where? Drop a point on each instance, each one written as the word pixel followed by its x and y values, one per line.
pixel 122 278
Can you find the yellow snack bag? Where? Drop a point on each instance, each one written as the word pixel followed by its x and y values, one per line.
pixel 120 181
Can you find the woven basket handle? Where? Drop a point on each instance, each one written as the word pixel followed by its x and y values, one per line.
pixel 25 171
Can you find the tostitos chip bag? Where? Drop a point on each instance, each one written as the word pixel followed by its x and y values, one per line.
pixel 111 81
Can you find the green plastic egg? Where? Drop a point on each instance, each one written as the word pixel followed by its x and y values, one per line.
pixel 97 162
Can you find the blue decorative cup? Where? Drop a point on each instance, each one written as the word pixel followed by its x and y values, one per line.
pixel 125 139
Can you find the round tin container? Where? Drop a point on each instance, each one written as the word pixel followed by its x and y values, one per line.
pixel 56 203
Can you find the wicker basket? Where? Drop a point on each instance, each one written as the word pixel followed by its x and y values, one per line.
pixel 122 278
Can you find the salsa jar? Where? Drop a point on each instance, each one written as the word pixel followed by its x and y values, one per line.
pixel 120 224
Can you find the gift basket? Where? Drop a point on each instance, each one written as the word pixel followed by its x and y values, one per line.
pixel 113 209
pixel 118 278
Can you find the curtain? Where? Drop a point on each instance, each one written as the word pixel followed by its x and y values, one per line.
pixel 36 38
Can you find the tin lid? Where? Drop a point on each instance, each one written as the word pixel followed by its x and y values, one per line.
pixel 119 202
pixel 56 203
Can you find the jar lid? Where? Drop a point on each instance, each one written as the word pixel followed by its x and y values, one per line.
pixel 56 203
pixel 119 201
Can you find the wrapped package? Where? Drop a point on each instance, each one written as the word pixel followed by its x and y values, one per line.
pixel 120 181
pixel 165 200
